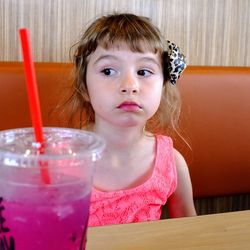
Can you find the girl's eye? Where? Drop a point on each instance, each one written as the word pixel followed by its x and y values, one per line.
pixel 108 72
pixel 144 72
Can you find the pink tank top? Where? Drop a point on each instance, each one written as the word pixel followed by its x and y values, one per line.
pixel 142 203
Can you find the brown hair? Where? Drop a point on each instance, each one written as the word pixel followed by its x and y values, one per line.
pixel 140 35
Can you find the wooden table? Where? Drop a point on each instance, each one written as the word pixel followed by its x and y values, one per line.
pixel 218 231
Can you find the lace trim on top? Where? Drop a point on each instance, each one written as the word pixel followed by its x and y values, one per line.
pixel 141 203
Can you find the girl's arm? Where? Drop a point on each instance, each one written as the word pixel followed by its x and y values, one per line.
pixel 180 203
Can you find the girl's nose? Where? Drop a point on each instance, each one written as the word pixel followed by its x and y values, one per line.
pixel 129 85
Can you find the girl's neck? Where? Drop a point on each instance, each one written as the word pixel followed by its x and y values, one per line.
pixel 128 159
pixel 120 137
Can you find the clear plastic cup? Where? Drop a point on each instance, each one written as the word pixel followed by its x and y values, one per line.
pixel 35 215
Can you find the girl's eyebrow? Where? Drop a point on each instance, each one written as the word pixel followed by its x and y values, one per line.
pixel 151 60
pixel 144 58
pixel 102 57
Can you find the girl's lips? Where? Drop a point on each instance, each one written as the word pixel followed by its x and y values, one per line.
pixel 129 106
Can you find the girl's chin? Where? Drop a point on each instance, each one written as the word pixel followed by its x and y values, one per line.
pixel 126 122
pixel 130 123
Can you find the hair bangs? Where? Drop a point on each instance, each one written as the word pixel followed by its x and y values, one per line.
pixel 138 36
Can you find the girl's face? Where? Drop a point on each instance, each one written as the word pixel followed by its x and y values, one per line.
pixel 124 87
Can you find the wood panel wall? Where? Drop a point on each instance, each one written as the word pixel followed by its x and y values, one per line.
pixel 210 32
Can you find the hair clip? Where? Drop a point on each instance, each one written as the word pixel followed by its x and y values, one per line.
pixel 177 62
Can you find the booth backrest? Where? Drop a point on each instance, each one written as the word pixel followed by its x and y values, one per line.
pixel 215 118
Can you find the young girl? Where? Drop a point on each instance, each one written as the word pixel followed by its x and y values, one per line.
pixel 125 90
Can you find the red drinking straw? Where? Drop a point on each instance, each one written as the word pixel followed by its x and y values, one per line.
pixel 34 103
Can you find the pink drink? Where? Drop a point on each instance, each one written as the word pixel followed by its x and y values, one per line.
pixel 49 225
pixel 39 216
